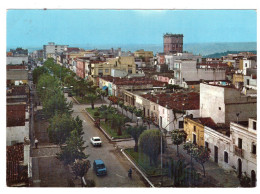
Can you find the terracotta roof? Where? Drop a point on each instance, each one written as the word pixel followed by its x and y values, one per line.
pixel 176 101
pixel 206 121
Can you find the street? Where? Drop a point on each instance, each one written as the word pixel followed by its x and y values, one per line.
pixel 117 165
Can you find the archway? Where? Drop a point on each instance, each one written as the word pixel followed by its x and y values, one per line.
pixel 253 178
pixel 239 163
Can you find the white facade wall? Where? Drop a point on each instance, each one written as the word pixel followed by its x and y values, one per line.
pixel 17 133
pixel 118 73
pixel 223 143
pixel 167 121
pixel 17 60
pixel 212 102
pixel 249 137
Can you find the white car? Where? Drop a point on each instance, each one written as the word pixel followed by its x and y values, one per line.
pixel 96 141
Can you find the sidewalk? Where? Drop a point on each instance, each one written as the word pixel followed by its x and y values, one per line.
pixel 217 175
pixel 47 170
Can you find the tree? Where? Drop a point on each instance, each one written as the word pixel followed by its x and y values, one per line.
pixel 60 128
pixel 191 149
pixel 92 99
pixel 138 113
pixel 202 155
pixel 70 81
pixel 80 168
pixel 121 104
pixel 245 181
pixel 56 104
pixel 37 72
pixel 117 122
pixel 150 144
pixel 47 86
pixel 181 175
pixel 131 109
pixel 135 132
pixel 74 149
pixel 178 137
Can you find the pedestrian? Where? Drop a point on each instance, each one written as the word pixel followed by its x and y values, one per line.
pixel 36 142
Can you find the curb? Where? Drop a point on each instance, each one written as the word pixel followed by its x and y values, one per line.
pixel 143 175
pixel 75 100
pixel 105 133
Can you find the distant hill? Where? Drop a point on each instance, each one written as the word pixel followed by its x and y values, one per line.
pixel 219 55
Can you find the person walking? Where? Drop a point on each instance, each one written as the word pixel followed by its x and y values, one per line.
pixel 36 142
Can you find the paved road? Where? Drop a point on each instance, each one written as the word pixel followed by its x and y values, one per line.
pixel 117 165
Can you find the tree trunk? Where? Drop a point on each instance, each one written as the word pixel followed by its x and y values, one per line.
pixel 177 150
pixel 92 105
pixel 136 146
pixel 119 131
pixel 203 170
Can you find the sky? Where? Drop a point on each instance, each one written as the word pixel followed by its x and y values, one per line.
pixel 34 28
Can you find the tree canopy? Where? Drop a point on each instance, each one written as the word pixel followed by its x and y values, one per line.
pixel 150 144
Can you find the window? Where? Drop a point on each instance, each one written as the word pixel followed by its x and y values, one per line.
pixel 247 82
pixel 219 108
pixel 239 143
pixel 253 148
pixel 245 64
pixel 194 128
pixel 180 124
pixel 226 157
pixel 153 107
pixel 254 125
pixel 194 139
pixel 106 70
pixel 206 144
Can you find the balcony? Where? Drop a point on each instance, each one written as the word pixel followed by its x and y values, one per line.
pixel 239 152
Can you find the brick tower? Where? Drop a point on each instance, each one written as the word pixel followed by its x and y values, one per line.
pixel 173 43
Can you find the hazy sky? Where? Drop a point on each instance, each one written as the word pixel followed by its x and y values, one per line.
pixel 32 28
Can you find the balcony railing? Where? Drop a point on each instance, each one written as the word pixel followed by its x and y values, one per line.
pixel 239 152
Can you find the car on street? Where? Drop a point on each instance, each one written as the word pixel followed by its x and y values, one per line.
pixel 96 141
pixel 99 167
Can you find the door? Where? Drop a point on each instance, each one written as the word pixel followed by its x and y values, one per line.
pixel 253 178
pixel 216 154
pixel 239 163
pixel 194 139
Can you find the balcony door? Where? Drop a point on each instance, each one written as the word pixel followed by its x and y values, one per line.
pixel 216 154
pixel 239 167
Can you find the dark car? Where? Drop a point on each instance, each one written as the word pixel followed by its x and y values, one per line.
pixel 99 167
pixel 69 94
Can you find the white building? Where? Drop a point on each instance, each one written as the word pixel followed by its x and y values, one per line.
pixel 244 152
pixel 170 59
pixel 51 49
pixel 118 73
pixel 17 60
pixel 248 64
pixel 225 104
pixel 186 70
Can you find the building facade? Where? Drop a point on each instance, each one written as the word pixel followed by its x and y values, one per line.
pixel 173 43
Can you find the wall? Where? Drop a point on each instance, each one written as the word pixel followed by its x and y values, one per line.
pixel 17 74
pixel 248 137
pixel 118 73
pixel 211 98
pixel 223 143
pixel 205 74
pixel 199 132
pixel 17 133
pixel 17 60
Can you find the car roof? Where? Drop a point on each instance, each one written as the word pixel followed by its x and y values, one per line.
pixel 96 137
pixel 99 161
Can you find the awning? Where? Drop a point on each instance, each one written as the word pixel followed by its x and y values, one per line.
pixel 104 88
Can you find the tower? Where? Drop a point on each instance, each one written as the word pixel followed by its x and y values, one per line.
pixel 173 43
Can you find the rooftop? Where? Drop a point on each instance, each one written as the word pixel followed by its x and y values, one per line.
pixel 176 101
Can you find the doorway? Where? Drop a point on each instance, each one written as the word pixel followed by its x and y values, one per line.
pixel 216 154
pixel 239 163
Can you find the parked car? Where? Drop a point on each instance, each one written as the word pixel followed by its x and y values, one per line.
pixel 99 167
pixel 96 141
pixel 69 94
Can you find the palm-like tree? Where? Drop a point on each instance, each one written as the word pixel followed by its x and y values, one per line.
pixel 92 99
